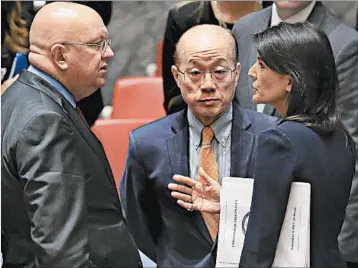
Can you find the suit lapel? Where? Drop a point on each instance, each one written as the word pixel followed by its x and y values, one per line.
pixel 178 151
pixel 318 14
pixel 242 143
pixel 45 87
pixel 178 146
pixel 321 17
pixel 90 138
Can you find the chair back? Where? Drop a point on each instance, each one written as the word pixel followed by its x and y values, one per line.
pixel 138 97
pixel 114 136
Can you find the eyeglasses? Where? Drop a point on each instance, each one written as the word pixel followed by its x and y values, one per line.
pixel 218 75
pixel 102 44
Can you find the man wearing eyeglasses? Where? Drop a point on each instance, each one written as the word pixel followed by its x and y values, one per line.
pixel 213 133
pixel 60 206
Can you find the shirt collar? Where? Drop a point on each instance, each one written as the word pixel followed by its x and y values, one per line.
pixel 221 127
pixel 301 16
pixel 57 85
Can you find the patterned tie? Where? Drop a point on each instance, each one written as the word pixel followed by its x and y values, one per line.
pixel 208 162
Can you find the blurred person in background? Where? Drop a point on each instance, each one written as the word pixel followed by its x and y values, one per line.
pixel 60 206
pixel 14 36
pixel 16 19
pixel 346 11
pixel 344 42
pixel 182 17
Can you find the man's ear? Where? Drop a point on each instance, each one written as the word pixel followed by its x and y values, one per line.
pixel 237 72
pixel 175 73
pixel 58 56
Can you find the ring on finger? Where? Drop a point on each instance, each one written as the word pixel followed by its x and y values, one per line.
pixel 191 208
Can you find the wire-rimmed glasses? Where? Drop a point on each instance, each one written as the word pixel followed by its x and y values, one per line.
pixel 219 74
pixel 103 45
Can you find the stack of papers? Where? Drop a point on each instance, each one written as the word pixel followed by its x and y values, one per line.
pixel 293 248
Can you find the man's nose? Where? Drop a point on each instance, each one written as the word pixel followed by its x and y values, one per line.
pixel 207 82
pixel 108 53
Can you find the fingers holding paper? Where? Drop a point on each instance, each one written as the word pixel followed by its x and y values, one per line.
pixel 201 195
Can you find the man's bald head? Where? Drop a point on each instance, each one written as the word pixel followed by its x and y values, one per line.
pixel 62 22
pixel 205 33
pixel 70 42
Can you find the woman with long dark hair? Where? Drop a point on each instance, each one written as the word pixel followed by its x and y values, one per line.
pixel 295 71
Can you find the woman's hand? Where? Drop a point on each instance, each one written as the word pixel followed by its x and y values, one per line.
pixel 201 195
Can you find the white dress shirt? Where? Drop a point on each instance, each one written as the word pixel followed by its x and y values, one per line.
pixel 298 17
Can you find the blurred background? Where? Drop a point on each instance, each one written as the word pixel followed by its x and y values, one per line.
pixel 136 27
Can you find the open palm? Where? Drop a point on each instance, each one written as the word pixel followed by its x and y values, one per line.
pixel 201 195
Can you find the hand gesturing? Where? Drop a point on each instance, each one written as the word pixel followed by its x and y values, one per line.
pixel 196 195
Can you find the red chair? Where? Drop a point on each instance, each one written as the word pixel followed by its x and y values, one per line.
pixel 138 97
pixel 114 136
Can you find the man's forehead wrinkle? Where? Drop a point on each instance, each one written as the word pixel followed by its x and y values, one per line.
pixel 199 60
pixel 213 55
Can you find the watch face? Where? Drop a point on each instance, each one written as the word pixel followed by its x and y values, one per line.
pixel 245 220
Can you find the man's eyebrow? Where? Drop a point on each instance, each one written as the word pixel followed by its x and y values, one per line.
pixel 193 61
pixel 220 60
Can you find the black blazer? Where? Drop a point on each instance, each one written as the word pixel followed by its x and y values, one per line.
pixel 167 233
pixel 60 207
pixel 293 152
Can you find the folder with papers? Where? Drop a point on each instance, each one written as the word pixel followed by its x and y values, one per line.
pixel 293 248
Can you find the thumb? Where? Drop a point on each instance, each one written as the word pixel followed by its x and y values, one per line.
pixel 206 177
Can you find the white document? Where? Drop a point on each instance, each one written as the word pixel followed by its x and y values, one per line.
pixel 293 249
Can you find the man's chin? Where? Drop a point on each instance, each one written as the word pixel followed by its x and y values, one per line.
pixel 101 83
pixel 292 5
pixel 213 112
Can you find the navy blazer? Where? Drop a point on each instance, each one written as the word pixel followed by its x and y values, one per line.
pixel 293 152
pixel 167 233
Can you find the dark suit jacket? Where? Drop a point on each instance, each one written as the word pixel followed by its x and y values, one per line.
pixel 167 233
pixel 292 152
pixel 344 42
pixel 60 207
